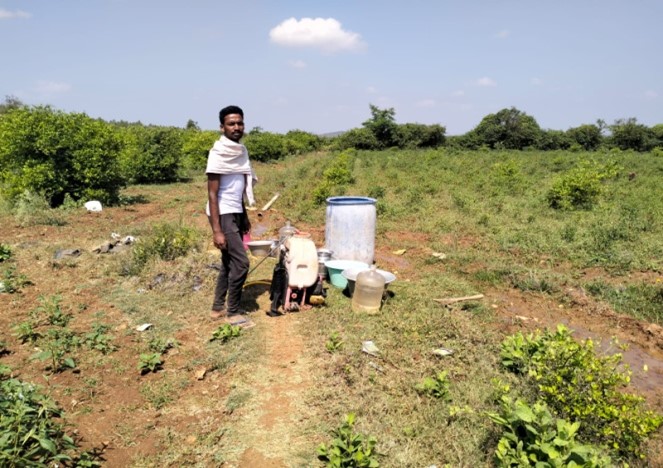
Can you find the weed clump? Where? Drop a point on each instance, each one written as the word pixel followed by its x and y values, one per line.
pixel 349 449
pixel 167 242
pixel 29 433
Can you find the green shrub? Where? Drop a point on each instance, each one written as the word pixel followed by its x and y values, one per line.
pixel 357 138
pixel 580 187
pixel 338 174
pixel 581 387
pixel 533 437
pixel 195 148
pixel 52 153
pixel 300 142
pixel 322 192
pixel 508 175
pixel 265 146
pixel 414 135
pixel 349 449
pixel 339 171
pixel 151 154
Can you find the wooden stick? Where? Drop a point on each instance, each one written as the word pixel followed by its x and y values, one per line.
pixel 270 202
pixel 452 300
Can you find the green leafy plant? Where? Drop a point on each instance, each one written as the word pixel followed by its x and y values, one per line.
pixel 50 306
pixel 55 348
pixel 226 332
pixel 348 448
pixel 29 432
pixel 98 340
pixel 533 437
pixel 11 281
pixel 149 362
pixel 579 386
pixel 26 333
pixel 5 252
pixel 436 387
pixel 161 345
pixel 334 343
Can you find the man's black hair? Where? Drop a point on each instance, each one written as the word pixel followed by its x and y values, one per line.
pixel 230 110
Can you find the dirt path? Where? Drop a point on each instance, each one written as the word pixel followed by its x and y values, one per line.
pixel 269 430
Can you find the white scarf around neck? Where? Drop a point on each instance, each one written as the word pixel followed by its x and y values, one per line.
pixel 230 157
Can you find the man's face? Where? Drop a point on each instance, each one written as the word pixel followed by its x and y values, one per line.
pixel 233 127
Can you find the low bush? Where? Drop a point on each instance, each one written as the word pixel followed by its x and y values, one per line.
pixel 580 188
pixel 581 387
pixel 533 437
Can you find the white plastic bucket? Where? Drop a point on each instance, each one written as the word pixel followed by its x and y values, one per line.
pixel 350 228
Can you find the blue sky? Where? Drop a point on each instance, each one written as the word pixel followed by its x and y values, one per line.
pixel 317 65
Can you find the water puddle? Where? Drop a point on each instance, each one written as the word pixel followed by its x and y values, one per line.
pixel 646 381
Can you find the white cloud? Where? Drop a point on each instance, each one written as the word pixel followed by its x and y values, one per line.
pixel 371 90
pixel 426 103
pixel 503 34
pixel 297 64
pixel 536 81
pixel 486 82
pixel 459 93
pixel 320 33
pixel 280 101
pixel 650 94
pixel 6 14
pixel 52 87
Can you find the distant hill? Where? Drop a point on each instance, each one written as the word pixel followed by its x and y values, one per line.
pixel 332 134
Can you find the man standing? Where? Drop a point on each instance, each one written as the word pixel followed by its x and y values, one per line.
pixel 229 178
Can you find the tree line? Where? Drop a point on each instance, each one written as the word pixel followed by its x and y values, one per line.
pixel 61 155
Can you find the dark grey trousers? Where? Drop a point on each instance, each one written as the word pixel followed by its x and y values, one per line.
pixel 234 265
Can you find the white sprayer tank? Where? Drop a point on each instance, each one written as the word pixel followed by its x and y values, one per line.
pixel 350 228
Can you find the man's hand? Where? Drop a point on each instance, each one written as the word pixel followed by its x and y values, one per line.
pixel 219 240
